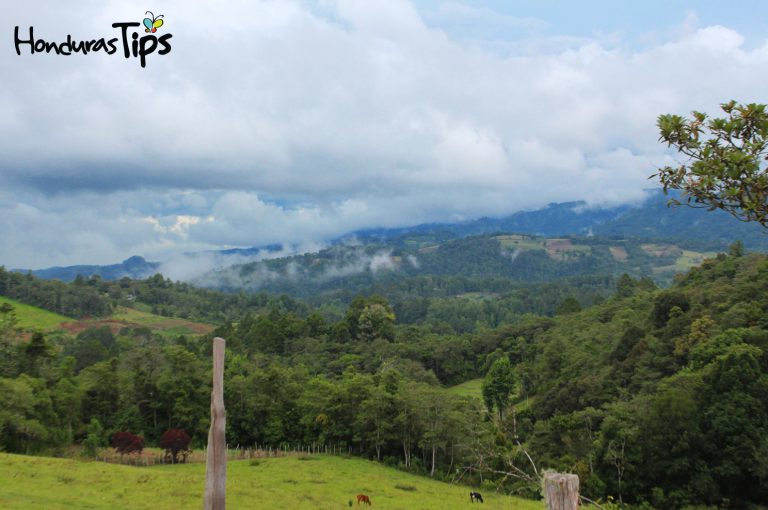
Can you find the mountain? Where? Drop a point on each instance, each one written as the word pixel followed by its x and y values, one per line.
pixel 696 228
pixel 556 219
pixel 685 227
pixel 652 219
pixel 134 267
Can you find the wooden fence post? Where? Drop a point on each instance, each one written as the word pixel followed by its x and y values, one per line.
pixel 216 461
pixel 561 491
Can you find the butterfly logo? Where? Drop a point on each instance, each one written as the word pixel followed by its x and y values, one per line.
pixel 153 23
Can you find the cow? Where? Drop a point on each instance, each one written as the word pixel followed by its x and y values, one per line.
pixel 475 496
pixel 365 499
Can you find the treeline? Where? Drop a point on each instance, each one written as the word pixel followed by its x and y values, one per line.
pixel 459 305
pixel 370 399
pixel 78 299
pixel 95 297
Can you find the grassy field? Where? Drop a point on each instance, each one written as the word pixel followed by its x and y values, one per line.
pixel 33 318
pixel 685 261
pixel 311 483
pixel 165 325
pixel 472 388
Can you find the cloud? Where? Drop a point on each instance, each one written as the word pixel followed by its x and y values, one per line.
pixel 334 264
pixel 290 122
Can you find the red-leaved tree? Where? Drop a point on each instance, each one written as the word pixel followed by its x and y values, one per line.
pixel 125 442
pixel 175 442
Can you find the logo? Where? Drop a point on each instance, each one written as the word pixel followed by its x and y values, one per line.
pixel 133 45
pixel 154 23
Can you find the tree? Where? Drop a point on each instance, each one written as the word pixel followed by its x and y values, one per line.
pixel 175 442
pixel 625 286
pixel 376 321
pixel 125 442
pixel 498 384
pixel 568 306
pixel 726 167
pixel 93 439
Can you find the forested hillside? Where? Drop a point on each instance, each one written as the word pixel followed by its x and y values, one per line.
pixel 655 397
pixel 421 266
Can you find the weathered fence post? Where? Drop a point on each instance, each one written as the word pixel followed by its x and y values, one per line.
pixel 561 491
pixel 216 461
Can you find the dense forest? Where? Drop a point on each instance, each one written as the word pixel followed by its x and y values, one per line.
pixel 426 266
pixel 657 398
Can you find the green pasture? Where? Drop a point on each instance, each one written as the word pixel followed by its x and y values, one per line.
pixel 522 242
pixel 471 388
pixel 311 483
pixel 474 389
pixel 33 318
pixel 165 325
pixel 685 261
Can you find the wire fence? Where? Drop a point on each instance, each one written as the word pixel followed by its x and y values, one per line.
pixel 156 456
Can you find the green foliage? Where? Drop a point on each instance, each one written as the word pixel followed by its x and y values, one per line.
pixel 498 385
pixel 726 167
pixel 94 438
pixel 569 305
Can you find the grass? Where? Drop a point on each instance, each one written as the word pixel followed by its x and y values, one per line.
pixel 471 388
pixel 474 389
pixel 124 316
pixel 275 483
pixel 685 261
pixel 690 259
pixel 33 318
pixel 521 242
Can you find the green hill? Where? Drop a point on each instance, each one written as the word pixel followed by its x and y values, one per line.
pixel 33 318
pixel 311 483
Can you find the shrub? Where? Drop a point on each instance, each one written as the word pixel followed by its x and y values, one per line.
pixel 175 442
pixel 125 442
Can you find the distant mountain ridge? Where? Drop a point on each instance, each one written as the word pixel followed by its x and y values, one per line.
pixel 556 219
pixel 132 267
pixel 652 220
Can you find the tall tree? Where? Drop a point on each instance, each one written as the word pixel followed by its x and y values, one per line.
pixel 498 384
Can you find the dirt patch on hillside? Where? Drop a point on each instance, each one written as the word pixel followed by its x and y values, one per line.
pixel 619 253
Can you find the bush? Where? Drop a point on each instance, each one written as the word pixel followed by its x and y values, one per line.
pixel 175 442
pixel 125 442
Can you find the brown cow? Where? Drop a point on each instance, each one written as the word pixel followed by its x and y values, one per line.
pixel 364 499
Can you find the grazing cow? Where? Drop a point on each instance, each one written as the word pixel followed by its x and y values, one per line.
pixel 365 499
pixel 475 496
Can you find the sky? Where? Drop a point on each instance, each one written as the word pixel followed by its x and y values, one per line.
pixel 299 121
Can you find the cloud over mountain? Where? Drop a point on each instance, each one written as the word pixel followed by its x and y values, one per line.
pixel 289 121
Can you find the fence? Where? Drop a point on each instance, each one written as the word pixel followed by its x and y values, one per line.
pixel 154 456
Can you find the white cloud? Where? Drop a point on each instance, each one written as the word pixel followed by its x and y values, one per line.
pixel 285 121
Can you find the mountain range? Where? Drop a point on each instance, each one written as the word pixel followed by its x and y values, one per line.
pixel 651 220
